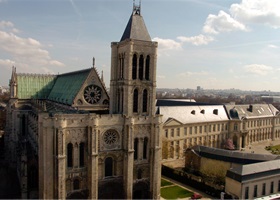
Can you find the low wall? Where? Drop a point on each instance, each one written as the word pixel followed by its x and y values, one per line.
pixel 192 180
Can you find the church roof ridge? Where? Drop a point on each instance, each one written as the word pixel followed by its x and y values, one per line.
pixel 75 72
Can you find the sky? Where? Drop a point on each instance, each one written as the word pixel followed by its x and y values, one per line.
pixel 215 44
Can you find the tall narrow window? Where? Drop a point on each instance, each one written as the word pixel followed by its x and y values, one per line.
pixel 76 184
pixel 246 193
pixel 134 67
pixel 122 67
pixel 135 148
pixel 119 100
pixel 82 154
pixel 122 100
pixel 70 155
pixel 109 166
pixel 135 100
pixel 145 100
pixel 255 190
pixel 263 189
pixel 147 69
pixel 271 187
pixel 145 148
pixel 141 67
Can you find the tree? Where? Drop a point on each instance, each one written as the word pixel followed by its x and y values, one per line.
pixel 228 144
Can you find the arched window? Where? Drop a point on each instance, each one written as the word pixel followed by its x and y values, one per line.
pixel 76 184
pixel 121 66
pixel 135 100
pixel 145 148
pixel 134 67
pixel 82 154
pixel 141 67
pixel 147 69
pixel 119 100
pixel 109 167
pixel 145 100
pixel 70 155
pixel 135 148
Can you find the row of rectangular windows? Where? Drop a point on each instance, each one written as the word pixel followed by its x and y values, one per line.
pixel 196 139
pixel 255 194
pixel 196 129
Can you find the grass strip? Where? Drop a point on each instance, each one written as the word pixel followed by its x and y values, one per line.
pixel 175 192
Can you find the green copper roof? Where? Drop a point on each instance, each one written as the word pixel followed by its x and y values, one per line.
pixel 67 86
pixel 34 85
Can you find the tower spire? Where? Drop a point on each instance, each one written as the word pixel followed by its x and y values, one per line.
pixel 137 8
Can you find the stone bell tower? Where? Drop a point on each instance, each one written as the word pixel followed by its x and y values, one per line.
pixel 133 70
pixel 132 94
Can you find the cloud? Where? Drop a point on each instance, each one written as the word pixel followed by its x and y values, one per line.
pixel 77 11
pixel 161 76
pixel 6 63
pixel 222 22
pixel 26 51
pixel 272 46
pixel 189 74
pixel 196 40
pixel 258 69
pixel 168 44
pixel 265 12
pixel 9 26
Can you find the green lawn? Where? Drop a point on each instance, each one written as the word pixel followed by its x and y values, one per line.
pixel 274 149
pixel 175 192
pixel 165 183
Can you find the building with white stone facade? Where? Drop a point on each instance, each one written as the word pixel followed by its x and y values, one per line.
pixel 187 124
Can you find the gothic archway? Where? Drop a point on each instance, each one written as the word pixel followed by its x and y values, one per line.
pixel 113 189
pixel 141 190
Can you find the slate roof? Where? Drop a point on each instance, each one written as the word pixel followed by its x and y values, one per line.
pixel 136 28
pixel 179 102
pixel 250 111
pixel 193 114
pixel 232 156
pixel 253 171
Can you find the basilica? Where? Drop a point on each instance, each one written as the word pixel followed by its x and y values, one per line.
pixel 70 138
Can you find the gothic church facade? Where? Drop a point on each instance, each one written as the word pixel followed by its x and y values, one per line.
pixel 70 139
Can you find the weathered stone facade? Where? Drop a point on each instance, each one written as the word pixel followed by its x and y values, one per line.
pixel 69 140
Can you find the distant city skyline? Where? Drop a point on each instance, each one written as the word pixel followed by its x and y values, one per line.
pixel 209 43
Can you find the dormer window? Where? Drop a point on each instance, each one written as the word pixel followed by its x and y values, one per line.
pixel 193 112
pixel 215 112
pixel 202 111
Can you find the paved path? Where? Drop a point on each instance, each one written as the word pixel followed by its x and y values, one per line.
pixel 259 148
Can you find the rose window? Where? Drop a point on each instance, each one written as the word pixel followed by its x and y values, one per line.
pixel 110 137
pixel 92 94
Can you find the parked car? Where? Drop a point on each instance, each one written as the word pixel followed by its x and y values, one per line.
pixel 196 196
